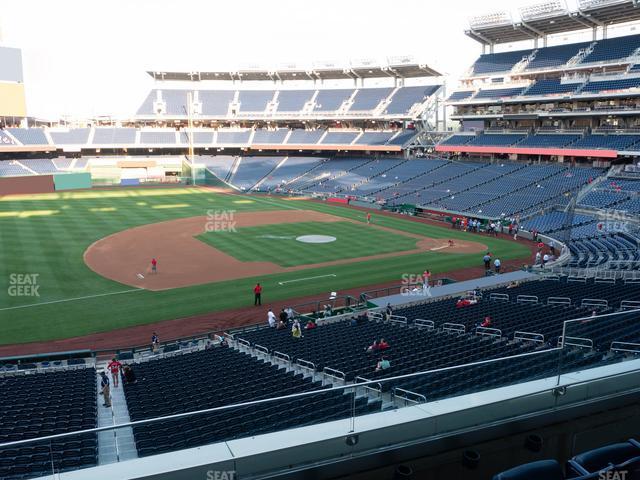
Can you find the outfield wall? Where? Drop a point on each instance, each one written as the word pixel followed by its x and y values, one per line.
pixel 29 184
pixel 72 181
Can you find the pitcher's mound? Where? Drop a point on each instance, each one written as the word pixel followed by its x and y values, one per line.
pixel 316 239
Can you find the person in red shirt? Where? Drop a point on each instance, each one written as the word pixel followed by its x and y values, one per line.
pixel 114 367
pixel 383 345
pixel 154 265
pixel 486 322
pixel 368 217
pixel 257 295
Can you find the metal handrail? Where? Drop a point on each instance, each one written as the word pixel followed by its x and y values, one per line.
pixel 629 305
pixel 421 322
pixel 261 348
pixel 499 296
pixel 406 398
pixel 527 299
pixel 453 327
pixel 529 336
pixel 624 347
pixel 336 374
pixel 594 302
pixel 491 332
pixel 306 364
pixel 291 396
pixel 558 301
pixel 282 356
pixel 244 342
pixel 397 319
pixel 575 341
pixel 367 387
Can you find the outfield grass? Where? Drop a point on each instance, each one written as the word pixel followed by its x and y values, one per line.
pixel 278 244
pixel 48 234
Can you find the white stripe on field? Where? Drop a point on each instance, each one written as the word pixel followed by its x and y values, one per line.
pixel 72 299
pixel 307 278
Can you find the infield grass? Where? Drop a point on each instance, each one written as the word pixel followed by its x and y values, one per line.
pixel 279 244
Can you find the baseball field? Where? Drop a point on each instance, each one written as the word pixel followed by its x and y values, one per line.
pixel 78 263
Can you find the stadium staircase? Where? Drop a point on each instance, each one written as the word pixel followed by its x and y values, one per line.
pixel 377 175
pixel 271 172
pixel 31 171
pixel 522 64
pixel 233 169
pixel 316 166
pixel 116 445
pixel 439 182
pixel 410 179
pixel 581 55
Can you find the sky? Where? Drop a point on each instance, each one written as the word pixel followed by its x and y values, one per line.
pixel 87 58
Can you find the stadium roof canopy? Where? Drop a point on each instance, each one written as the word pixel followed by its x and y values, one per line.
pixel 542 19
pixel 398 67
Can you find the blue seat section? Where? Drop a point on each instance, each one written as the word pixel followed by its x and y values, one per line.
pixel 293 100
pixel 617 460
pixel 613 49
pixel 555 56
pixel 614 293
pixel 342 347
pixel 29 136
pixel 215 102
pixel 604 85
pixel 264 136
pixel 44 404
pixel 217 377
pixel 490 139
pixel 608 142
pixel 551 86
pixel 305 137
pixel 8 168
pixel 252 169
pixel 407 176
pixel 114 136
pixel 230 137
pixel 254 100
pixel 461 95
pixel 220 165
pixel 76 136
pixel 406 97
pixel 293 168
pixel 402 137
pixel 331 100
pixel 41 166
pixel 199 137
pixel 458 140
pixel 334 176
pixel 374 138
pixel 369 98
pixel 499 62
pixel 163 137
pixel 547 469
pixel 499 93
pixel 554 221
pixel 339 138
pixel 595 247
pixel 549 140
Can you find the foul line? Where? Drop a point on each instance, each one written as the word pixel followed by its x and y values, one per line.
pixel 307 278
pixel 72 299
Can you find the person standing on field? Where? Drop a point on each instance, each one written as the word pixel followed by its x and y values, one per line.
pixel 368 217
pixel 154 265
pixel 257 295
